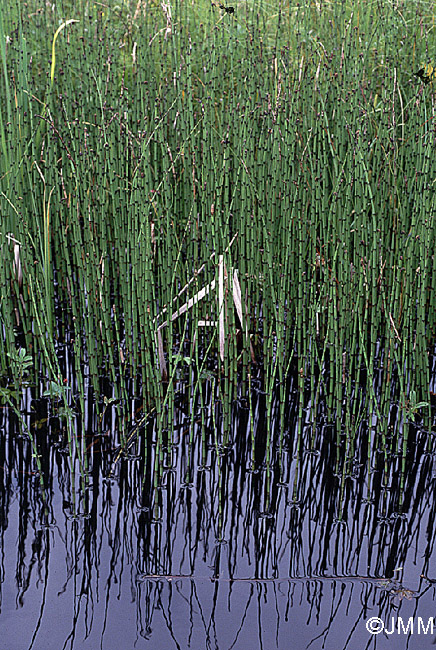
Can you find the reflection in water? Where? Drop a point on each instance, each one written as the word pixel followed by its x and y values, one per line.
pixel 294 544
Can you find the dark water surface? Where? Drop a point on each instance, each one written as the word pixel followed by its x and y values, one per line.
pixel 295 545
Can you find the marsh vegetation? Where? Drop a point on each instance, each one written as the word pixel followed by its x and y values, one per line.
pixel 206 212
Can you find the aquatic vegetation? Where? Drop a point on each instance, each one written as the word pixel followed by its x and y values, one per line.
pixel 245 193
pixel 217 313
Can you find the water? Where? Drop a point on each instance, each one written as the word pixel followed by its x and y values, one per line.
pixel 293 547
